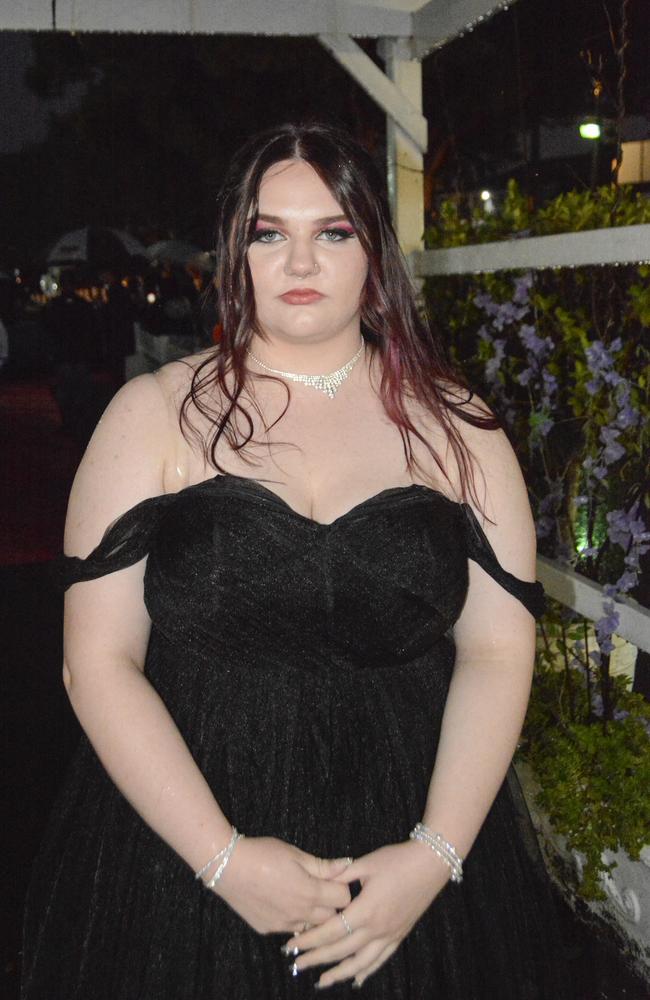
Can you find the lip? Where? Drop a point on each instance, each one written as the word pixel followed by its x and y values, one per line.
pixel 301 296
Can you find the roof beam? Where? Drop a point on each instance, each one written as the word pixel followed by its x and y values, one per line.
pixel 438 21
pixel 228 17
pixel 377 85
pixel 617 245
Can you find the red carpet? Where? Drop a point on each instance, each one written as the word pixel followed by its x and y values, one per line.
pixel 38 463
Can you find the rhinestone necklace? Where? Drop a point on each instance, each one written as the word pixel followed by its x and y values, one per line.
pixel 329 384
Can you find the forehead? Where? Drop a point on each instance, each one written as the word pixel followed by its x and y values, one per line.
pixel 293 188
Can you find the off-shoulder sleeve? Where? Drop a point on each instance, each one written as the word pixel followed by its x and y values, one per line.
pixel 480 551
pixel 125 542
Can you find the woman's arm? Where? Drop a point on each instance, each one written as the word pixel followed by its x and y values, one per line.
pixel 106 632
pixel 495 648
pixel 483 715
pixel 272 885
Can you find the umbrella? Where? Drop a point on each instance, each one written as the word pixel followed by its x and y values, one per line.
pixel 95 245
pixel 175 251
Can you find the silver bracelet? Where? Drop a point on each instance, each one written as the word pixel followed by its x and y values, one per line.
pixel 226 858
pixel 442 848
pixel 445 851
pixel 205 868
pixel 225 854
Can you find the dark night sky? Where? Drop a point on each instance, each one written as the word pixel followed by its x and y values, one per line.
pixel 144 146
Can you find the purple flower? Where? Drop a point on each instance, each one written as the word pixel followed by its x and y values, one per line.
pixel 551 502
pixel 581 501
pixel 550 381
pixel 544 526
pixel 597 704
pixel 595 657
pixel 627 417
pixel 523 286
pixel 625 527
pixel 600 472
pixel 606 626
pixel 598 358
pixel 592 386
pixel 626 582
pixel 484 302
pixel 526 376
pixel 493 365
pixel 507 313
pixel 537 346
pixel 589 552
pixel 613 450
pixel 613 378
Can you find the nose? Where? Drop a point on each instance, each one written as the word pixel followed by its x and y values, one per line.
pixel 301 260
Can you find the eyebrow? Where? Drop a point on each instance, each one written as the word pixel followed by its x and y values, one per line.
pixel 279 221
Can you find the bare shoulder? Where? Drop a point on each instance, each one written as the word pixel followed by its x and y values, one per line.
pixel 175 377
pixel 123 464
pixel 503 505
pixel 134 453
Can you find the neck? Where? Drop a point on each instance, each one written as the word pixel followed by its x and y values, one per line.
pixel 306 358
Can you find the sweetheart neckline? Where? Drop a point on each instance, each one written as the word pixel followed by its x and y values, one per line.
pixel 355 509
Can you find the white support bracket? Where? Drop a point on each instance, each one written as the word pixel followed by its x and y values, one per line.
pixel 377 85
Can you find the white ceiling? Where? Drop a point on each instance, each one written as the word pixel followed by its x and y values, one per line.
pixel 428 22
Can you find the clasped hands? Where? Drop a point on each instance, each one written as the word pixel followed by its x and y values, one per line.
pixel 276 888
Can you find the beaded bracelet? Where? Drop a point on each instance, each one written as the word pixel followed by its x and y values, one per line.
pixel 225 855
pixel 442 848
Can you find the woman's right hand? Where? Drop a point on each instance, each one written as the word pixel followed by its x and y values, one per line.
pixel 276 887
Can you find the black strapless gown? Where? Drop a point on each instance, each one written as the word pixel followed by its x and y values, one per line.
pixel 306 666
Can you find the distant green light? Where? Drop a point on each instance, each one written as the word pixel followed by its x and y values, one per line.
pixel 589 130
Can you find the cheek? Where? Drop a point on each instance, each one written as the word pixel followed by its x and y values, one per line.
pixel 353 276
pixel 261 276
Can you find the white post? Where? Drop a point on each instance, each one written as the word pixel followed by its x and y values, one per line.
pixel 405 164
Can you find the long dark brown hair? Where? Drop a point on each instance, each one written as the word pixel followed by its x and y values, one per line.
pixel 413 362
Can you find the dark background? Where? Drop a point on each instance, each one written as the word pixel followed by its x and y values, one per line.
pixel 154 118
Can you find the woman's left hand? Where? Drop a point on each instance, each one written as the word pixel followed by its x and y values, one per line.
pixel 399 882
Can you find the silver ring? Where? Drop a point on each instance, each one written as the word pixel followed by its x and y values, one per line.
pixel 348 929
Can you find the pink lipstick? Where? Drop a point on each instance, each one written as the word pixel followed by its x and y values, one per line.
pixel 301 296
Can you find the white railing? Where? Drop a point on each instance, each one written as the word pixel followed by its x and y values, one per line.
pixel 586 598
pixel 617 245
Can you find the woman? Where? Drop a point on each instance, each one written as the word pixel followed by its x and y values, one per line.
pixel 291 660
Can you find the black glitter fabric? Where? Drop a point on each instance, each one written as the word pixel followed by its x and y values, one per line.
pixel 306 666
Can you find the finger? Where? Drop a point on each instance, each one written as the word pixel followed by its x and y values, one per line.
pixel 330 895
pixel 352 873
pixel 363 974
pixel 326 933
pixel 353 966
pixel 324 867
pixel 319 915
pixel 346 946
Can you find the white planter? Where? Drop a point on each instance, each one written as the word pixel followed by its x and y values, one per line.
pixel 626 911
